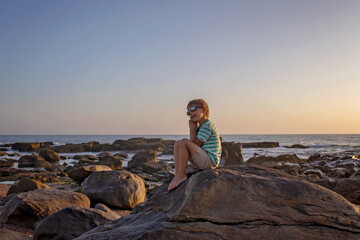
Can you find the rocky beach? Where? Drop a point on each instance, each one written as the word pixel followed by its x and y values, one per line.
pixel 118 190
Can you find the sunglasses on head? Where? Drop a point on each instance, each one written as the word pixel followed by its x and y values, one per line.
pixel 192 109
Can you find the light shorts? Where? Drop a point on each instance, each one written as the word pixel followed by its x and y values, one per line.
pixel 202 160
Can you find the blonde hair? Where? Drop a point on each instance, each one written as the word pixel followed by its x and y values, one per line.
pixel 202 103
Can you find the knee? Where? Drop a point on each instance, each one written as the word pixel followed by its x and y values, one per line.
pixel 183 142
pixel 176 145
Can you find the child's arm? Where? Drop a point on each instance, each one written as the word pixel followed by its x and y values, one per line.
pixel 192 126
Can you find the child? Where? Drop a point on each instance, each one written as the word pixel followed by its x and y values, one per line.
pixel 204 147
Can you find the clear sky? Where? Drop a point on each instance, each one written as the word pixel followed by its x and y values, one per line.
pixel 130 67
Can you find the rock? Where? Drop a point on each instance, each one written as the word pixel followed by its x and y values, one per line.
pixel 260 145
pixel 3 153
pixel 290 168
pixel 29 208
pixel 79 174
pixel 109 212
pixel 338 173
pixel 6 163
pixel 156 167
pixel 269 161
pixel 55 168
pixel 313 174
pixel 11 235
pixel 115 188
pixel 121 155
pixel 30 146
pixel 29 161
pixel 240 202
pixel 155 144
pixel 349 188
pixel 143 157
pixel 50 156
pixel 25 185
pixel 81 147
pixel 111 161
pixel 232 153
pixel 297 146
pixel 71 222
pixel 89 157
pixel 314 157
pixel 63 157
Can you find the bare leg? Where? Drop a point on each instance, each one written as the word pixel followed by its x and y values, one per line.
pixel 187 148
pixel 176 157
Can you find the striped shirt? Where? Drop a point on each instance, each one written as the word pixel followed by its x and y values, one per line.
pixel 208 134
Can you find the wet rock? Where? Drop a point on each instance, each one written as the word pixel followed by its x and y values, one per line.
pixel 25 185
pixel 29 208
pixel 239 202
pixel 3 153
pixel 297 146
pixel 32 161
pixel 71 222
pixel 232 153
pixel 79 174
pixel 338 173
pixel 109 212
pixel 115 188
pixel 50 156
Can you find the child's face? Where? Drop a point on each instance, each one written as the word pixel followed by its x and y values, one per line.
pixel 197 115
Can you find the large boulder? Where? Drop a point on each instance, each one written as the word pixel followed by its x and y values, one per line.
pixel 25 185
pixel 71 222
pixel 50 156
pixel 32 161
pixel 29 208
pixel 79 174
pixel 116 188
pixel 239 202
pixel 232 153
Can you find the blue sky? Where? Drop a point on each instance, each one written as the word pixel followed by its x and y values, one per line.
pixel 130 67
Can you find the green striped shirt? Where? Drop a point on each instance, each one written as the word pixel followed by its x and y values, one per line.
pixel 208 134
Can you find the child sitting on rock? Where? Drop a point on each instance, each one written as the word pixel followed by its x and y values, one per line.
pixel 203 149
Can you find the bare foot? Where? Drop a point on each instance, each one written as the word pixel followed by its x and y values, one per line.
pixel 176 182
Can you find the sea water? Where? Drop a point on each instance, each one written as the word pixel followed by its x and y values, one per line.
pixel 317 143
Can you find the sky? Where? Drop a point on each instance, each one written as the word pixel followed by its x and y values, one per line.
pixel 131 67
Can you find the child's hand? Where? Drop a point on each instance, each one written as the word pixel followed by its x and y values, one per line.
pixel 192 124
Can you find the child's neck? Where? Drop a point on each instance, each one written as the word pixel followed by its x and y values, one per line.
pixel 202 121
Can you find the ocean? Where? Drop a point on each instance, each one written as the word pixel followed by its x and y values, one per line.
pixel 317 143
